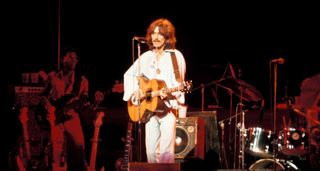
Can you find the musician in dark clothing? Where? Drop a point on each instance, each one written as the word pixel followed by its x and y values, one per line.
pixel 67 91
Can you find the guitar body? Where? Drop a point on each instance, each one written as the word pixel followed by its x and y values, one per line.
pixel 151 104
pixel 62 105
pixel 151 101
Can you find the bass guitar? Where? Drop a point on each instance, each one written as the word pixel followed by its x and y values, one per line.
pixel 58 160
pixel 151 100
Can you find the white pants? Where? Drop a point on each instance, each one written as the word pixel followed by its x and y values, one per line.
pixel 160 138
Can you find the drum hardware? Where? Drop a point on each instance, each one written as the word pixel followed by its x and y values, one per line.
pixel 277 165
pixel 247 93
pixel 241 127
pixel 223 151
pixel 221 123
pixel 274 100
pixel 242 140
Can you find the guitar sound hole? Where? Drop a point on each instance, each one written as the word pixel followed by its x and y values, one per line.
pixel 148 95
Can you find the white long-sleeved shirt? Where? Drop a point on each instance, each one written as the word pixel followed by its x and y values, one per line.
pixel 147 65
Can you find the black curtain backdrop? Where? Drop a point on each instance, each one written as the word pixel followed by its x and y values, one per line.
pixel 210 35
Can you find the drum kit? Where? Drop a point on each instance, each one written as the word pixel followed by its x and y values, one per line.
pixel 288 149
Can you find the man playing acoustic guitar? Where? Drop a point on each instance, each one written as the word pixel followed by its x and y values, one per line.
pixel 154 89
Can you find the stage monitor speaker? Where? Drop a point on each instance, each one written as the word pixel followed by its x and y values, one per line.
pixel 143 166
pixel 189 138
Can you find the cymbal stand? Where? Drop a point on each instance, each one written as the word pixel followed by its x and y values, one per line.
pixel 274 110
pixel 229 123
pixel 221 123
pixel 223 151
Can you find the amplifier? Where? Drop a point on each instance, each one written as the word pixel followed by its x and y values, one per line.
pixel 189 138
pixel 28 95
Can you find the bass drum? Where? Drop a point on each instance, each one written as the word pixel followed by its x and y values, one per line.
pixel 268 164
pixel 293 142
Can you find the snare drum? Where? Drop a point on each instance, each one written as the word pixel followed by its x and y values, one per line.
pixel 293 142
pixel 259 142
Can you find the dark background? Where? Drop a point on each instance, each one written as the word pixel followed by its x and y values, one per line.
pixel 209 34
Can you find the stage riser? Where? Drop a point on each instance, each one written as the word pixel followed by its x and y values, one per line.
pixel 137 166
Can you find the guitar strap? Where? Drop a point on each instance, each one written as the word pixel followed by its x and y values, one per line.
pixel 175 66
pixel 77 83
pixel 176 73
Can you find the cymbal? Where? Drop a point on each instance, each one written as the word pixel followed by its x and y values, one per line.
pixel 242 89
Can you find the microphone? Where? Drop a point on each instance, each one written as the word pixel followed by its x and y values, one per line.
pixel 140 39
pixel 279 60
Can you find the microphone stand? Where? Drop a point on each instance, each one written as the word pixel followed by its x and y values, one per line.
pixel 139 141
pixel 274 112
pixel 139 112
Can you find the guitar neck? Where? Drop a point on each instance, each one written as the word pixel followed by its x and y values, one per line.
pixel 167 90
pixel 127 150
pixel 174 89
pixel 24 120
pixel 26 141
pixel 95 141
pixel 94 148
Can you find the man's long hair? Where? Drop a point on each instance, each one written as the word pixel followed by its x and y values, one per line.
pixel 166 29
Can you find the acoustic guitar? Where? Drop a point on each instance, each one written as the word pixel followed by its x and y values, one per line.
pixel 151 100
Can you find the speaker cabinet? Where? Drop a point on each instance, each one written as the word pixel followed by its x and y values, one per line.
pixel 189 138
pixel 143 166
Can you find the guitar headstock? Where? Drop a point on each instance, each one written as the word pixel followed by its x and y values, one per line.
pixel 98 121
pixel 186 86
